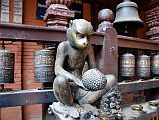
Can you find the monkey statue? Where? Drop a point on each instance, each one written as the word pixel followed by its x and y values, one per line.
pixel 70 59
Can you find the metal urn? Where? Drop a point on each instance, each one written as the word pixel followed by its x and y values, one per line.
pixel 127 65
pixel 6 66
pixel 155 64
pixel 143 66
pixel 44 65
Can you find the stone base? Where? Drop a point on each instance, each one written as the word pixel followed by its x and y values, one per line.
pixel 76 112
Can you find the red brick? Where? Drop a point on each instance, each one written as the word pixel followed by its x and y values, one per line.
pixel 15 113
pixel 127 98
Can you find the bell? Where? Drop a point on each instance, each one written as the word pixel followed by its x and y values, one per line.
pixel 143 66
pixel 127 65
pixel 127 15
pixel 6 66
pixel 44 65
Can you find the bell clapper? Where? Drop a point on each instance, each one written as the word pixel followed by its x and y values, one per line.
pixel 126 30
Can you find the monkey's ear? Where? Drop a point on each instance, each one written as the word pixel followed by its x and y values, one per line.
pixel 70 23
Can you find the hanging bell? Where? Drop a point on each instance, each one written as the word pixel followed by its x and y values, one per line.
pixel 155 64
pixel 44 65
pixel 143 66
pixel 127 65
pixel 6 66
pixel 127 15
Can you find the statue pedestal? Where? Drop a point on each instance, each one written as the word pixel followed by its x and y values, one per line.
pixel 76 112
pixel 63 112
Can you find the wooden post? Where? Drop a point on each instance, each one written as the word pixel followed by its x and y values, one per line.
pixel 109 61
pixel 109 53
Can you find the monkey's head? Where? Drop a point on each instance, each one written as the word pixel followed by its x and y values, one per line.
pixel 78 33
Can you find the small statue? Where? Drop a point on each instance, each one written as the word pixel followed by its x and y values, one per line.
pixel 73 96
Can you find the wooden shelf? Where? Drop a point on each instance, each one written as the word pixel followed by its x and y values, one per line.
pixel 131 42
pixel 26 97
pixel 21 32
pixel 138 85
pixel 147 113
pixel 30 33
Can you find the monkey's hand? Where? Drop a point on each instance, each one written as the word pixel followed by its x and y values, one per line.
pixel 80 84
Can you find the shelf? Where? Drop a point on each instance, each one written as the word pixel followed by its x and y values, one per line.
pixel 138 85
pixel 26 97
pixel 30 33
pixel 131 42
pixel 21 32
pixel 147 113
pixel 34 96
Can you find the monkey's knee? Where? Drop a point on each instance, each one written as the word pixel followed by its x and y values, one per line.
pixel 62 90
pixel 59 80
pixel 59 84
pixel 111 80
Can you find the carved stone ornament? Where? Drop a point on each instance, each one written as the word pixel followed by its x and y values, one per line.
pixel 58 14
pixel 110 103
pixel 105 17
pixel 77 93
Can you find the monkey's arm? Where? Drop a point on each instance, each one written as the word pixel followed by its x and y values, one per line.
pixel 90 58
pixel 60 58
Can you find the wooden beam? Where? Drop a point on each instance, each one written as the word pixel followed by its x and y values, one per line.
pixel 30 33
pixel 138 85
pixel 26 97
pixel 131 42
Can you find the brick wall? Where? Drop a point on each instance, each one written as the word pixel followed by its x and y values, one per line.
pixel 14 113
pixel 24 68
pixel 30 112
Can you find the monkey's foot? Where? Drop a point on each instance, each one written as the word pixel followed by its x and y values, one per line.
pixel 64 112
